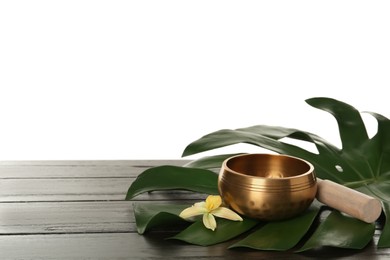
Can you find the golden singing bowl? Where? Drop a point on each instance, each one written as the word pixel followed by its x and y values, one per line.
pixel 267 187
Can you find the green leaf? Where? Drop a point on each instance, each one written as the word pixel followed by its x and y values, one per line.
pixel 198 234
pixel 379 146
pixel 148 216
pixel 210 162
pixel 340 231
pixel 352 130
pixel 362 163
pixel 280 235
pixel 384 240
pixel 227 137
pixel 381 190
pixel 174 177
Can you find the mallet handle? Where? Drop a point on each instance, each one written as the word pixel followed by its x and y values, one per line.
pixel 349 201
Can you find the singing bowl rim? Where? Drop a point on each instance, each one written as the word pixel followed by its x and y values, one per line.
pixel 310 171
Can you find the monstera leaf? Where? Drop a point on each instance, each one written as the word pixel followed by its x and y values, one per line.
pixel 362 163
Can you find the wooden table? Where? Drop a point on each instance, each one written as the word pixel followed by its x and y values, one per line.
pixel 76 210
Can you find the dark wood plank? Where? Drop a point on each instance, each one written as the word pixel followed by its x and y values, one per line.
pixel 67 217
pixel 79 169
pixel 153 246
pixel 74 180
pixel 85 189
pixel 76 210
pixel 64 189
pixel 70 217
pixel 80 163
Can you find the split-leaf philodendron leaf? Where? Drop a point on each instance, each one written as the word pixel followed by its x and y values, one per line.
pixel 174 178
pixel 362 163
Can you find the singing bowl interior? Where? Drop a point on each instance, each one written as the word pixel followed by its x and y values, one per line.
pixel 267 187
pixel 268 166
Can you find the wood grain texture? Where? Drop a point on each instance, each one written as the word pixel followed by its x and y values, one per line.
pixel 78 169
pixel 84 189
pixel 349 201
pixel 66 217
pixel 134 246
pixel 76 210
pixel 70 217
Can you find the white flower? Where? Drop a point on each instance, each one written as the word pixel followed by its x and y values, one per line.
pixel 210 208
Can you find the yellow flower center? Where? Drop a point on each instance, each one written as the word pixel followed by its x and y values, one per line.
pixel 213 202
pixel 210 208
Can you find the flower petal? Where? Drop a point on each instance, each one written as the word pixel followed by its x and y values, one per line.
pixel 200 204
pixel 213 202
pixel 209 221
pixel 222 212
pixel 192 212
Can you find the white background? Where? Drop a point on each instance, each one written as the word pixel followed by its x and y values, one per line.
pixel 142 79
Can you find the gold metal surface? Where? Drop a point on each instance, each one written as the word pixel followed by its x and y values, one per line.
pixel 267 187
